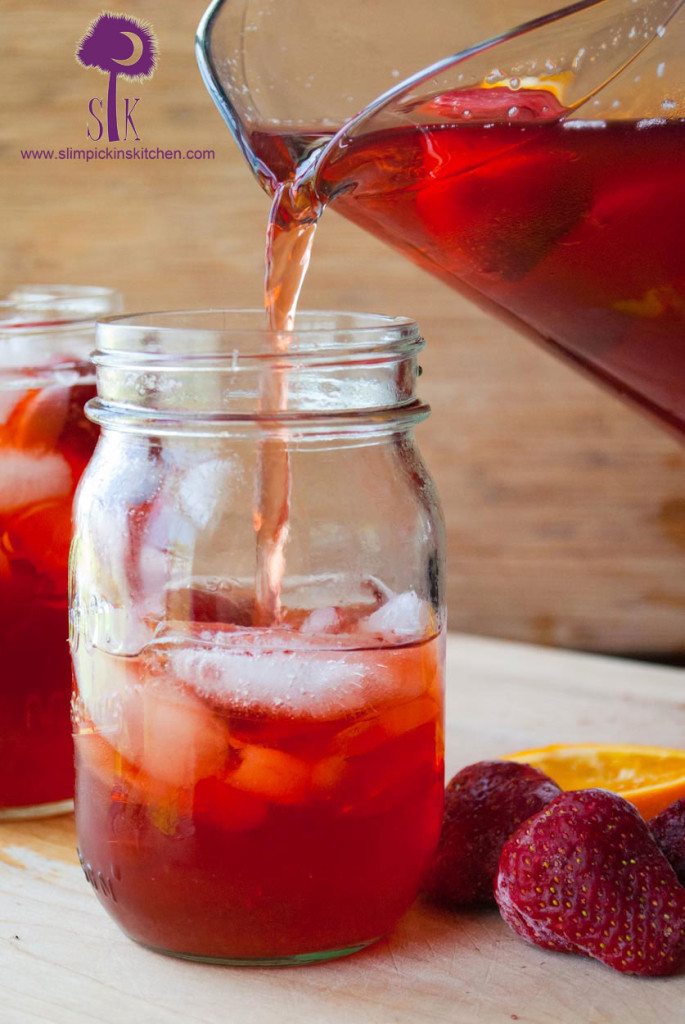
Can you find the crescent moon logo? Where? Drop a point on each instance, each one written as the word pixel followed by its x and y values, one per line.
pixel 136 53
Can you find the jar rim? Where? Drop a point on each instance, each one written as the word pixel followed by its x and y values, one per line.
pixel 16 321
pixel 244 334
pixel 40 347
pixel 197 371
pixel 71 301
pixel 48 292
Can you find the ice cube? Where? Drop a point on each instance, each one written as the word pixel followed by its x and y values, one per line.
pixel 282 778
pixel 153 572
pixel 321 620
pixel 29 347
pixel 272 774
pixel 102 681
pixel 27 478
pixel 180 740
pixel 204 489
pixel 166 529
pixel 153 723
pixel 134 473
pixel 98 757
pixel 246 673
pixel 319 684
pixel 404 616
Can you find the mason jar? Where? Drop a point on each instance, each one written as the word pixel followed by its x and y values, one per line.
pixel 257 627
pixel 45 443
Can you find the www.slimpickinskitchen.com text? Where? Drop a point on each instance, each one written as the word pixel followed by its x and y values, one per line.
pixel 116 153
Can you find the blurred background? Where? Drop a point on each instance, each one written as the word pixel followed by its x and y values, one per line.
pixel 565 509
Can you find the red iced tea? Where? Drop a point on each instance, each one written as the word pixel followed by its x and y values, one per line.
pixel 260 794
pixel 45 444
pixel 573 227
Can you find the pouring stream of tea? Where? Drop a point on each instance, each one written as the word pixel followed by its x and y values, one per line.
pixel 290 234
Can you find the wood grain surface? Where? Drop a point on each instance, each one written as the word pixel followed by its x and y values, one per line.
pixel 63 961
pixel 565 510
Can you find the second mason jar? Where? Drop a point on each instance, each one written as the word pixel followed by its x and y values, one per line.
pixel 257 633
pixel 47 333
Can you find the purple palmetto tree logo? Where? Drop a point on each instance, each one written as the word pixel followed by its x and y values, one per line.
pixel 118 45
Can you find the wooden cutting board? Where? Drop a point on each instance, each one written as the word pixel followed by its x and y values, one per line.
pixel 62 961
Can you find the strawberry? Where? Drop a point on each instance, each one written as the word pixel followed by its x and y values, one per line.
pixel 484 804
pixel 584 875
pixel 507 214
pixel 668 828
pixel 497 103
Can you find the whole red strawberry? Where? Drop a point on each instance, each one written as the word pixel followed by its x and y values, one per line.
pixel 668 828
pixel 484 804
pixel 584 875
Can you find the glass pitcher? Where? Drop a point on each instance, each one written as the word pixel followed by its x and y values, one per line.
pixel 538 168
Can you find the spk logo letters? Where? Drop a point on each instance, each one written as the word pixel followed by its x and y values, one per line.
pixel 119 46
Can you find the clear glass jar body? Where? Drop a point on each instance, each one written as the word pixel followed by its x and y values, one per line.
pixel 45 444
pixel 257 792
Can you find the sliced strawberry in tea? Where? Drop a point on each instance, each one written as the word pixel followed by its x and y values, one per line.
pixel 494 103
pixel 39 419
pixel 41 535
pixel 502 218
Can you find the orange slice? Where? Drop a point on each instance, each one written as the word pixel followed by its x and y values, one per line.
pixel 557 84
pixel 650 777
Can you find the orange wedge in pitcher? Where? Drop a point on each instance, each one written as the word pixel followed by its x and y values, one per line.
pixel 650 777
